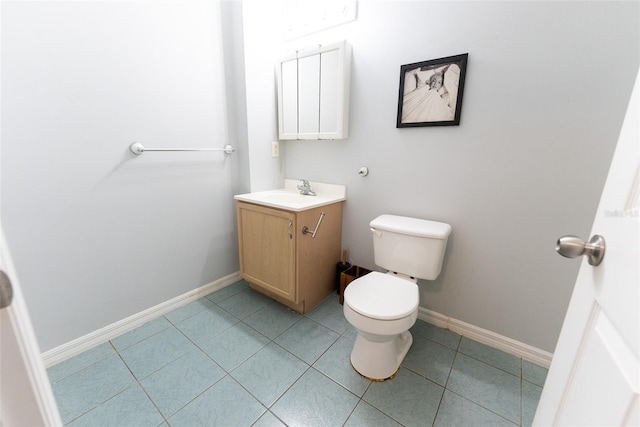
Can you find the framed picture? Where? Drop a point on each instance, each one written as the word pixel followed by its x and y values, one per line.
pixel 431 92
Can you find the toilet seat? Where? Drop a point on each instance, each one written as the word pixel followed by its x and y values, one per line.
pixel 382 296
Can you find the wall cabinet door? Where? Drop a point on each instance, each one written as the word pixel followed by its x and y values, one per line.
pixel 288 97
pixel 319 78
pixel 267 243
pixel 309 96
pixel 332 115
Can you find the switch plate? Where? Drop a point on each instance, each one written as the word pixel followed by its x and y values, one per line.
pixel 275 149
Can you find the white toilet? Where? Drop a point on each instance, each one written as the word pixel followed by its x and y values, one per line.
pixel 382 307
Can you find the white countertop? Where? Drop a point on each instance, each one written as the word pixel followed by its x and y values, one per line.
pixel 289 197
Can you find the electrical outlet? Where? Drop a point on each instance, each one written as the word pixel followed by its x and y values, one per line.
pixel 275 149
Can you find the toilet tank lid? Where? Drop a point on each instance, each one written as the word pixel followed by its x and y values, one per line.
pixel 411 226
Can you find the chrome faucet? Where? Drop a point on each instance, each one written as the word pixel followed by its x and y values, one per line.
pixel 305 188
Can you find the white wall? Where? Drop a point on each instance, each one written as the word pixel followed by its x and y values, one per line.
pixel 546 91
pixel 262 43
pixel 98 234
pixel 233 59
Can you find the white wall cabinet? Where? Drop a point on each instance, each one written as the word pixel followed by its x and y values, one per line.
pixel 313 93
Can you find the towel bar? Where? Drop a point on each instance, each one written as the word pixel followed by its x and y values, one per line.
pixel 138 148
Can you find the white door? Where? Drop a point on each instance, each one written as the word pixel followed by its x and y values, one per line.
pixel 26 398
pixel 595 372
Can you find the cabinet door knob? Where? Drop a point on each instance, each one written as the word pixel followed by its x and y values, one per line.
pixel 289 229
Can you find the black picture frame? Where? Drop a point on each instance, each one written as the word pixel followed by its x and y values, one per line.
pixel 431 92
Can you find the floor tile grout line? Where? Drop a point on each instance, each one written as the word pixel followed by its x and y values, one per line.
pixel 272 339
pixel 81 369
pixel 283 393
pixel 352 411
pixel 160 368
pixel 360 398
pixel 93 364
pixel 243 322
pixel 102 403
pixel 229 372
pixel 488 364
pixel 137 381
pixel 196 347
pixel 309 366
pixel 196 396
pixel 445 388
pixel 143 339
pixel 521 401
pixel 319 321
pixel 483 407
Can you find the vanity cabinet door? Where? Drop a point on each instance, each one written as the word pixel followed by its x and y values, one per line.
pixel 267 244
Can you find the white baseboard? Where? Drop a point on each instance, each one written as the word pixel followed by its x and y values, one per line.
pixel 77 346
pixel 508 345
pixel 86 342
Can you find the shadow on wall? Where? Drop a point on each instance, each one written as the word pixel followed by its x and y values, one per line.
pixel 436 285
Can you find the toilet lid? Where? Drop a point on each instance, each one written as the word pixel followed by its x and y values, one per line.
pixel 382 296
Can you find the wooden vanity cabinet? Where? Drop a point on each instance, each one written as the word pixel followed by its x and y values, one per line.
pixel 277 259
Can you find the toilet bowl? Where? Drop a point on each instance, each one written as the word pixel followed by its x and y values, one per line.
pixel 382 307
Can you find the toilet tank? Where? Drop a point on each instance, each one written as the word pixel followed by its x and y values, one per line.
pixel 411 246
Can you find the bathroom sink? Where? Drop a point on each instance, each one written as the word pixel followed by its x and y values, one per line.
pixel 286 197
pixel 289 197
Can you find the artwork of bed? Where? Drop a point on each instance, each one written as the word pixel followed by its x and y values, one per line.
pixel 431 92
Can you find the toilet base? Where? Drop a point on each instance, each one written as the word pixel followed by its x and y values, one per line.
pixel 378 358
pixel 376 379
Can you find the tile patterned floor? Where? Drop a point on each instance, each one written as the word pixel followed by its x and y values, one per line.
pixel 237 358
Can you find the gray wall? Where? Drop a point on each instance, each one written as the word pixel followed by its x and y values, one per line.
pixel 546 91
pixel 98 234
